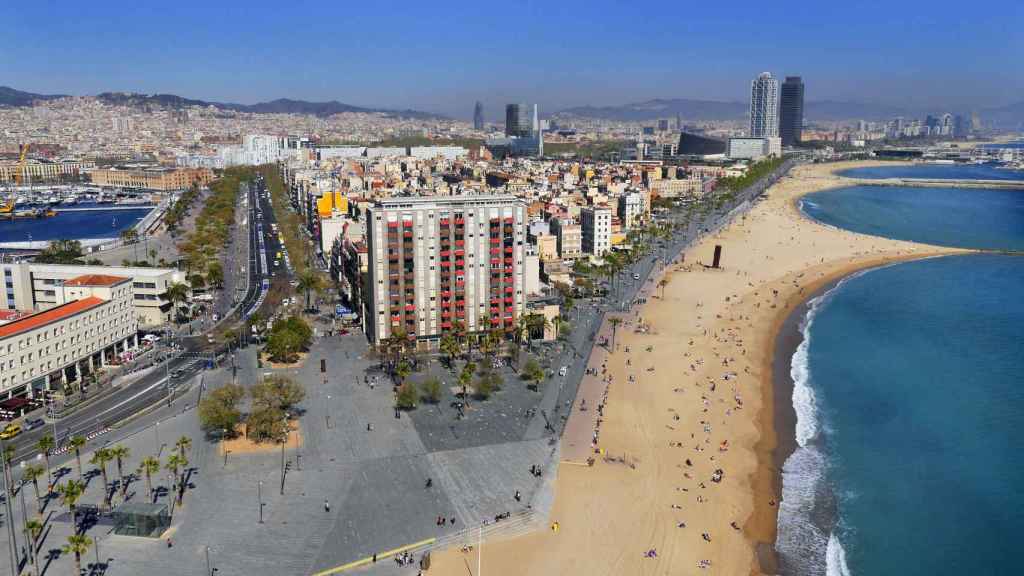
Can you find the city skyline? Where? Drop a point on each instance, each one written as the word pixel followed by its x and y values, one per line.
pixel 892 57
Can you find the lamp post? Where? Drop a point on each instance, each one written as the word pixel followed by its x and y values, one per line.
pixel 259 497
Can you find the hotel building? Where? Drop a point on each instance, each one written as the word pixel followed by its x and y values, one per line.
pixel 440 260
pixel 57 347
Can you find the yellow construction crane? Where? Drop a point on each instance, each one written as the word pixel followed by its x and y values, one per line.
pixel 19 171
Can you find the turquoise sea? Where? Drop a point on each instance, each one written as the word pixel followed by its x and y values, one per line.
pixel 909 395
pixel 937 171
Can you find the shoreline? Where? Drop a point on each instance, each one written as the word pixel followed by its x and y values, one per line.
pixel 777 419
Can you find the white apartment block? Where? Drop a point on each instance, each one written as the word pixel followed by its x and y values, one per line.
pixel 51 349
pixel 436 261
pixel 30 286
pixel 596 226
pixel 631 209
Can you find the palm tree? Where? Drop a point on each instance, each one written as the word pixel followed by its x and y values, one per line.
pixel 309 281
pixel 662 284
pixel 120 454
pixel 449 346
pixel 76 443
pixel 174 464
pixel 149 466
pixel 183 445
pixel 70 493
pixel 78 544
pixel 46 444
pixel 32 474
pixel 100 458
pixel 177 294
pixel 615 322
pixel 33 528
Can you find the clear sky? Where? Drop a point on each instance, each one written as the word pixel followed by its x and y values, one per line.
pixel 442 56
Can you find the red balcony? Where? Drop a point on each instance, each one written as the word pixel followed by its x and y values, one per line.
pixel 407 234
pixel 410 307
pixel 510 220
pixel 460 314
pixel 508 250
pixel 495 261
pixel 392 224
pixel 509 300
pixel 508 261
pixel 508 289
pixel 446 325
pixel 446 294
pixel 445 221
pixel 460 283
pixel 407 223
pixel 446 253
pixel 495 310
pixel 460 263
pixel 495 240
pixel 460 242
pixel 447 304
pixel 495 251
pixel 495 321
pixel 509 270
pixel 460 221
pixel 446 314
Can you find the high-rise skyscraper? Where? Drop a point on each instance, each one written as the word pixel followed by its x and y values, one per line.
pixel 517 121
pixel 478 116
pixel 764 106
pixel 791 104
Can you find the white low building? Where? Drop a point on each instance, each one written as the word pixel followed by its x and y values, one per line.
pixel 57 347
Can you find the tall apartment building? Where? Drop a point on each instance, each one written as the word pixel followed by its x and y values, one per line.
pixel 764 106
pixel 596 226
pixel 56 347
pixel 631 209
pixel 437 260
pixel 791 113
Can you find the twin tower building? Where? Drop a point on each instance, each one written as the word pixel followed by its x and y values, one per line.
pixel 774 114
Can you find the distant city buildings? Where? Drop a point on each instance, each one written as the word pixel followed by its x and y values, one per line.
pixel 163 179
pixel 791 110
pixel 478 116
pixel 764 106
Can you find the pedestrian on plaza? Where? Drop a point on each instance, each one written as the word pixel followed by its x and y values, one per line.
pixel 517 496
pixel 327 505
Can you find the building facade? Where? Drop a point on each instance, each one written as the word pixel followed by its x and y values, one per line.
pixel 570 238
pixel 155 179
pixel 30 286
pixel 437 261
pixel 764 106
pixel 478 116
pixel 56 348
pixel 41 171
pixel 596 228
pixel 791 110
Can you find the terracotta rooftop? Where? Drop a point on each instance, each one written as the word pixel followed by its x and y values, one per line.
pixel 95 280
pixel 10 315
pixel 49 316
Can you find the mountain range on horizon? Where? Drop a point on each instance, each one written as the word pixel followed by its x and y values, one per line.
pixel 1010 116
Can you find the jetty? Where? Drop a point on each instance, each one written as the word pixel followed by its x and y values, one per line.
pixel 936 183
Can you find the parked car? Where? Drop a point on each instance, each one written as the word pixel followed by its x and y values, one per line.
pixel 33 423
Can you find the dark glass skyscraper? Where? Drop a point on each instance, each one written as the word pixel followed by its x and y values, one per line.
pixel 791 113
pixel 517 121
pixel 478 116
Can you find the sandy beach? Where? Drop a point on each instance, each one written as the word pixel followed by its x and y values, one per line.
pixel 690 436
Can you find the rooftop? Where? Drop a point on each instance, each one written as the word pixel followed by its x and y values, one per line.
pixel 49 316
pixel 95 280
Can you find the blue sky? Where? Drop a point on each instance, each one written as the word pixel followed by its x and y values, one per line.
pixel 442 56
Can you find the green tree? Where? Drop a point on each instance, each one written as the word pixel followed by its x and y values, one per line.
pixel 184 444
pixel 266 423
pixel 70 493
pixel 32 474
pixel 76 443
pixel 61 251
pixel 33 529
pixel 149 466
pixel 46 445
pixel 615 323
pixel 406 398
pixel 120 453
pixel 215 274
pixel 466 376
pixel 100 458
pixel 449 346
pixel 533 373
pixel 309 281
pixel 177 294
pixel 431 389
pixel 78 544
pixel 219 410
pixel 280 392
pixel 177 465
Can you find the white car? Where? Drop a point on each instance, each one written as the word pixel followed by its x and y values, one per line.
pixel 636 276
pixel 562 371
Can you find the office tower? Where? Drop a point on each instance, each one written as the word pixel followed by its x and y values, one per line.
pixel 791 104
pixel 535 123
pixel 437 260
pixel 518 122
pixel 764 106
pixel 478 116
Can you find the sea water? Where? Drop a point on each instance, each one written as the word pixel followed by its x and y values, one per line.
pixel 936 171
pixel 961 217
pixel 84 225
pixel 909 395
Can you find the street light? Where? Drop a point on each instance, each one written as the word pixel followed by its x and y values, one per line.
pixel 259 497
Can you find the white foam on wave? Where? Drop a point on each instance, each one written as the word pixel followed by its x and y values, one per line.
pixel 800 542
pixel 835 557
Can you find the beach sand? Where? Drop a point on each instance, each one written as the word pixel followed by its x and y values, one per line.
pixel 707 405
